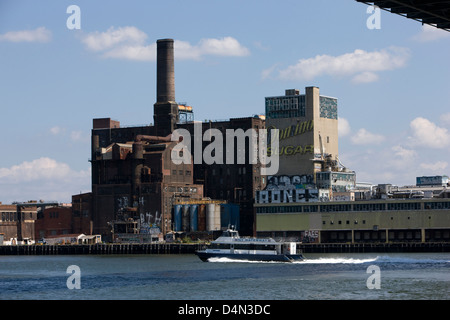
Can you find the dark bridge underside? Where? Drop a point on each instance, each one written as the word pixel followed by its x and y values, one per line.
pixel 431 12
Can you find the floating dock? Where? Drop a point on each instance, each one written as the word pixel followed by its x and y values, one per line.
pixel 184 248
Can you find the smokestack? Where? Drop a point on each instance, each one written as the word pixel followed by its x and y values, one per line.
pixel 165 71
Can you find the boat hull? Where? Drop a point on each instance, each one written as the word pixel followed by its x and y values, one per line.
pixel 204 256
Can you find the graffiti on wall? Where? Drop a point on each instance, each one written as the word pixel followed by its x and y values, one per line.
pixel 310 236
pixel 149 223
pixel 291 131
pixel 284 182
pixel 122 203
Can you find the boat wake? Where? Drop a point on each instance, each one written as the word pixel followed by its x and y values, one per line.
pixel 225 260
pixel 342 260
pixel 336 261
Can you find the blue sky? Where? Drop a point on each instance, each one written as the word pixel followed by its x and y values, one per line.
pixel 391 83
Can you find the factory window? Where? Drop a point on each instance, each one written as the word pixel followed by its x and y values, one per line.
pixel 174 172
pixel 53 215
pixel 188 172
pixel 180 172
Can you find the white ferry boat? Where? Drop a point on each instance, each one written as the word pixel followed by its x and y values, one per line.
pixel 230 245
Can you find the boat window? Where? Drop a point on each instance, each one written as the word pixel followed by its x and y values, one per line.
pixel 219 246
pixel 253 246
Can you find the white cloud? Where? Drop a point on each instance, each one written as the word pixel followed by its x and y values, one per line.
pixel 42 178
pixel 403 153
pixel 79 136
pixel 39 169
pixel 266 73
pixel 428 134
pixel 437 167
pixel 364 137
pixel 343 127
pixel 360 64
pixel 430 33
pixel 130 52
pixel 445 118
pixel 40 34
pixel 56 130
pixel 227 46
pixel 129 43
pixel 365 77
pixel 99 41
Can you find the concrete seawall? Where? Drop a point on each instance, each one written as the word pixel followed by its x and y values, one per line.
pixel 172 248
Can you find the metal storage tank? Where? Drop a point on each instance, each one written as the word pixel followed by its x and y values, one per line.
pixel 225 215
pixel 217 216
pixel 193 217
pixel 177 217
pixel 186 222
pixel 229 216
pixel 209 217
pixel 235 216
pixel 212 217
pixel 201 217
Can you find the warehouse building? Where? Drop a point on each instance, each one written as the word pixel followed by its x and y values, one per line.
pixel 420 220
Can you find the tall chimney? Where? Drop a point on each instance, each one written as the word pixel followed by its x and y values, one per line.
pixel 165 110
pixel 165 71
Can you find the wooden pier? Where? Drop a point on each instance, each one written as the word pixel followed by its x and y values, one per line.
pixel 184 248
pixel 99 249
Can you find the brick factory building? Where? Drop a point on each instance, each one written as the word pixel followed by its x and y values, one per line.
pixel 134 178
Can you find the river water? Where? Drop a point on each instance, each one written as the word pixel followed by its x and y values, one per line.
pixel 411 276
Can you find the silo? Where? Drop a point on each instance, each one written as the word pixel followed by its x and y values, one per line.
pixel 185 218
pixel 193 217
pixel 225 215
pixel 177 217
pixel 217 217
pixel 235 216
pixel 202 217
pixel 210 212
